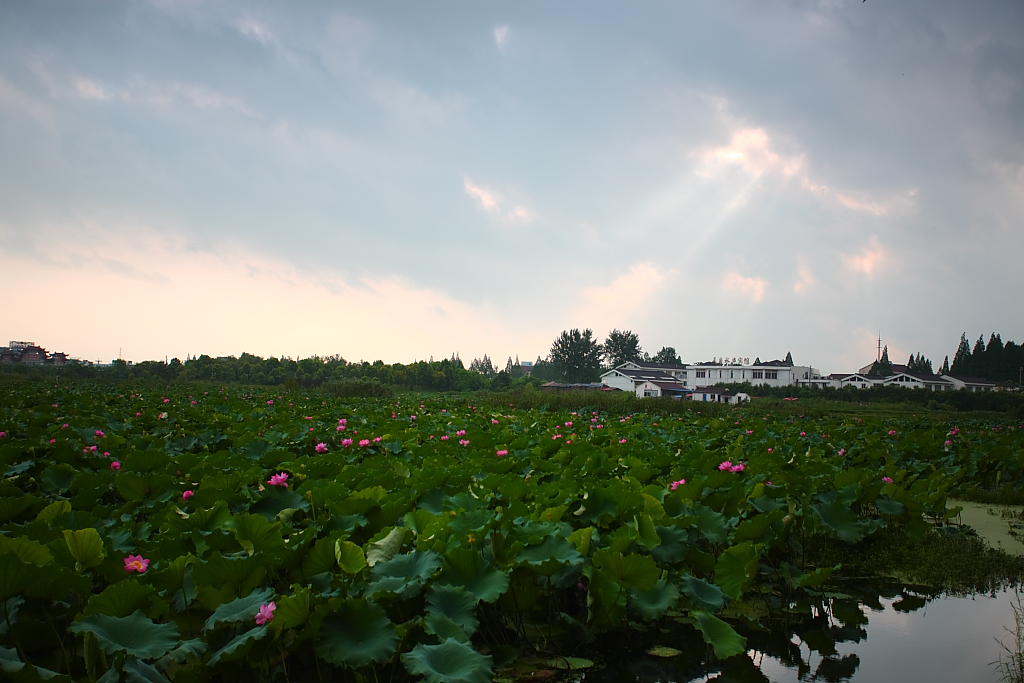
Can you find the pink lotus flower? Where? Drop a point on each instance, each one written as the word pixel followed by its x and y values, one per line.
pixel 494 421
pixel 64 426
pixel 162 416
pixel 738 467
pixel 378 439
pixel 676 484
pixel 116 465
pixel 842 452
pixel 340 428
pixel 947 443
pixel 106 454
pixel 185 495
pixel 363 443
pixel 771 450
pixel 138 413
pixel 136 563
pixel 266 613
pixel 502 453
pixel 461 432
pixel 279 479
pixel 270 402
pixel 343 421
pixel 195 402
pixel 3 435
pixel 167 400
pixel 444 437
pixel 725 465
pixel 412 417
pixel 321 447
pixel 569 423
pixel 623 440
pixel 463 442
pixel 100 434
pixel 954 431
pixel 892 432
pixel 887 480
pixel 345 443
pixel 53 441
pixel 803 433
pixel 749 432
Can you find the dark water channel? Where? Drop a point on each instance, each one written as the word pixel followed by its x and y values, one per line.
pixel 891 633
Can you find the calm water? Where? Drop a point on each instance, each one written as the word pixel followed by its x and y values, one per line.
pixel 907 637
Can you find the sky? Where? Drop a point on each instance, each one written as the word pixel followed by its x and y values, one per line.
pixel 407 180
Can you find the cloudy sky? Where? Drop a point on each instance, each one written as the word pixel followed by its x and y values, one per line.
pixel 404 180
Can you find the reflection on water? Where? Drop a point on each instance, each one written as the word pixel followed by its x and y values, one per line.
pixel 873 632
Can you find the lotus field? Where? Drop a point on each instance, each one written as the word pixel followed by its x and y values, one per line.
pixel 180 534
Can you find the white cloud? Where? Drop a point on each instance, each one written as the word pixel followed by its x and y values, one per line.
pixel 494 203
pixel 90 89
pixel 805 279
pixel 624 301
pixel 256 30
pixel 753 288
pixel 501 36
pixel 868 260
pixel 487 199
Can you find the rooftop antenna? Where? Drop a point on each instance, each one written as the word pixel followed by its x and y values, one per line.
pixel 878 354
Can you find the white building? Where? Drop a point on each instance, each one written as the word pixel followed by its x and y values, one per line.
pixel 629 376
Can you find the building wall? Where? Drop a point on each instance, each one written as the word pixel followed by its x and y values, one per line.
pixel 758 375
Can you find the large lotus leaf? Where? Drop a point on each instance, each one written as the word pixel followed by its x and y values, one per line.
pixel 450 606
pixel 633 571
pixel 86 546
pixel 255 533
pixel 242 609
pixel 120 599
pixel 386 547
pixel 471 521
pixel 136 634
pixel 276 499
pixel 756 528
pixel 606 599
pixel 26 550
pixel 357 634
pixel 186 650
pixel 654 603
pixel 404 574
pixel 138 671
pixel 293 610
pixel 889 506
pixel 54 510
pixel 449 662
pixel 468 569
pixel 13 506
pixel 840 518
pixel 553 549
pixel 349 557
pixel 674 543
pixel 19 671
pixel 719 635
pixel 703 594
pixel 646 533
pixel 239 645
pixel 736 567
pixel 713 525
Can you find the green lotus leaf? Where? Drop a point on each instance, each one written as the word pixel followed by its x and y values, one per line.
pixel 449 606
pixel 449 662
pixel 186 650
pixel 255 533
pixel 293 610
pixel 240 610
pixel 349 557
pixel 404 574
pixel 86 546
pixel 838 516
pixel 647 534
pixel 53 511
pixel 136 634
pixel 357 634
pixel 719 635
pixel 120 599
pixel 276 499
pixel 26 550
pixel 238 646
pixel 736 567
pixel 553 549
pixel 713 525
pixel 138 671
pixel 673 546
pixel 654 603
pixel 633 571
pixel 703 594
pixel 468 569
pixel 889 506
pixel 387 547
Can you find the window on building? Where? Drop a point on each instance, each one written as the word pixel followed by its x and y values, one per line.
pixel 702 374
pixel 757 374
pixel 771 374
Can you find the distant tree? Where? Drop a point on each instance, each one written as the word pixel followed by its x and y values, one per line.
pixel 962 357
pixel 789 359
pixel 882 366
pixel 757 361
pixel 977 367
pixel 621 347
pixel 668 356
pixel 919 364
pixel 994 358
pixel 576 355
pixel 944 370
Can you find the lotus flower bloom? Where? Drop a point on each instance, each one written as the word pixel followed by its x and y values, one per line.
pixel 266 613
pixel 64 426
pixel 494 421
pixel 445 437
pixel 954 431
pixel 771 450
pixel 116 465
pixel 803 433
pixel 502 453
pixel 136 563
pixel 364 442
pixel 270 402
pixel 738 467
pixel 947 443
pixel 279 479
pixel 842 452
pixel 887 480
pixel 340 428
pixel 53 441
pixel 463 442
pixel 676 484
pixel 461 432
pixel 100 434
pixel 623 440
pixel 725 465
pixel 167 400
pixel 185 495
pixel 321 447
pixel 749 432
pixel 892 432
pixel 345 443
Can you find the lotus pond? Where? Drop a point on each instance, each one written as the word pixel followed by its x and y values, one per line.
pixel 183 534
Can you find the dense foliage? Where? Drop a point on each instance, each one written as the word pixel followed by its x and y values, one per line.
pixel 214 535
